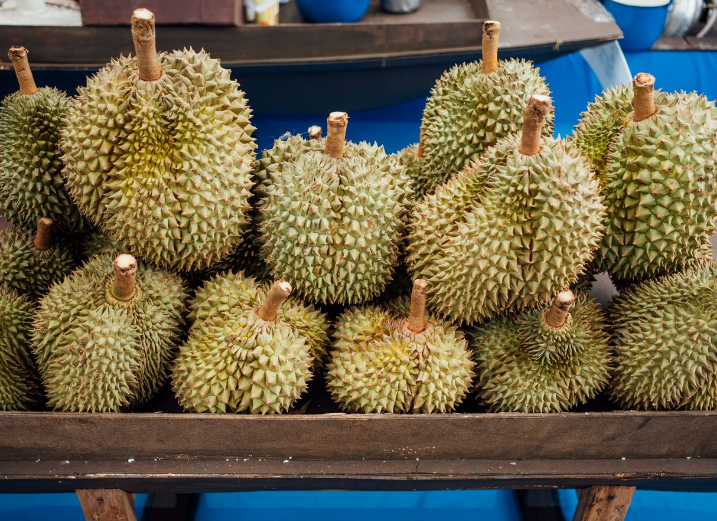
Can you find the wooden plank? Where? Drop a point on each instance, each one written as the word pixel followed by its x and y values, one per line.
pixel 107 505
pixel 603 503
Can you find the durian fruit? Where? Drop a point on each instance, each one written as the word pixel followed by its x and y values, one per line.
pixel 473 106
pixel 547 359
pixel 96 243
pixel 411 158
pixel 383 361
pixel 655 155
pixel 31 184
pixel 104 336
pixel 159 153
pixel 30 265
pixel 511 230
pixel 332 221
pixel 665 337
pixel 19 383
pixel 250 348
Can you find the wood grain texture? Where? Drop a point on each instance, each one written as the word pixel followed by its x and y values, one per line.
pixel 603 503
pixel 107 505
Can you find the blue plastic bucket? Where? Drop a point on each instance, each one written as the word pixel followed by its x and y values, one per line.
pixel 641 21
pixel 332 11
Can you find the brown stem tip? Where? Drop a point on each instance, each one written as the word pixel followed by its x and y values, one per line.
pixel 277 294
pixel 558 312
pixel 643 102
pixel 416 317
pixel 533 120
pixel 145 45
pixel 314 132
pixel 125 277
pixel 489 46
pixel 43 239
pixel 18 57
pixel 336 134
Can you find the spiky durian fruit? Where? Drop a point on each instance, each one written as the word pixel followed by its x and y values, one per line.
pixel 31 185
pixel 332 222
pixel 250 349
pixel 103 342
pixel 30 264
pixel 159 153
pixel 411 158
pixel 98 242
pixel 655 155
pixel 472 107
pixel 19 383
pixel 385 361
pixel 665 337
pixel 547 359
pixel 510 231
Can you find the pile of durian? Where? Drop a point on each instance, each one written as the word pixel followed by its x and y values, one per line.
pixel 151 247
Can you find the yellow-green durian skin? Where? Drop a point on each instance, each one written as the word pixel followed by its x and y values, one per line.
pixel 468 112
pixel 19 383
pixel 509 232
pixel 377 365
pixel 163 166
pixel 665 337
pixel 526 365
pixel 658 179
pixel 100 354
pixel 29 271
pixel 31 184
pixel 421 181
pixel 236 362
pixel 96 243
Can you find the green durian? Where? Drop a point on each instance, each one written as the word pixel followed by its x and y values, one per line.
pixel 30 265
pixel 250 348
pixel 411 158
pixel 655 157
pixel 391 359
pixel 96 243
pixel 472 107
pixel 159 154
pixel 547 359
pixel 19 383
pixel 31 184
pixel 511 230
pixel 665 337
pixel 105 336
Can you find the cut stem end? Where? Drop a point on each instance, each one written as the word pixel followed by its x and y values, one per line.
pixel 533 120
pixel 416 317
pixel 489 46
pixel 43 239
pixel 643 87
pixel 269 310
pixel 18 57
pixel 559 311
pixel 145 45
pixel 336 134
pixel 125 277
pixel 314 132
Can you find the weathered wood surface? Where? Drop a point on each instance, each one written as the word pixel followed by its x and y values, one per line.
pixel 603 503
pixel 107 505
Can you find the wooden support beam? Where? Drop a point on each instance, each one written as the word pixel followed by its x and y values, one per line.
pixel 107 505
pixel 603 503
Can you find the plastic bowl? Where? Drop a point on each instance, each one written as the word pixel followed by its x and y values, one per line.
pixel 332 11
pixel 641 21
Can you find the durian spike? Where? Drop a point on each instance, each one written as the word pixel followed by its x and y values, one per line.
pixel 336 134
pixel 533 120
pixel 489 46
pixel 145 44
pixel 643 87
pixel 43 239
pixel 419 148
pixel 18 57
pixel 314 132
pixel 125 270
pixel 416 318
pixel 277 294
pixel 558 312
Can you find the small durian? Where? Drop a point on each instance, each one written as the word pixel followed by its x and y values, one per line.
pixel 105 336
pixel 31 184
pixel 547 359
pixel 30 265
pixel 383 361
pixel 511 230
pixel 411 158
pixel 96 243
pixel 250 348
pixel 473 106
pixel 665 338
pixel 159 153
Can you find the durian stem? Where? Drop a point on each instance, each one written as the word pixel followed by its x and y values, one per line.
pixel 489 46
pixel 125 269
pixel 277 294
pixel 558 312
pixel 145 44
pixel 18 57
pixel 533 121
pixel 643 87
pixel 416 319
pixel 43 239
pixel 314 132
pixel 419 149
pixel 336 134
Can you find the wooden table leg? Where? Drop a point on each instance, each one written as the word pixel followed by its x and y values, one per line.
pixel 107 505
pixel 603 503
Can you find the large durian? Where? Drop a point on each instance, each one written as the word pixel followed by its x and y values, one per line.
pixel 511 230
pixel 159 153
pixel 250 348
pixel 472 107
pixel 383 361
pixel 547 359
pixel 104 337
pixel 30 264
pixel 665 337
pixel 31 184
pixel 655 155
